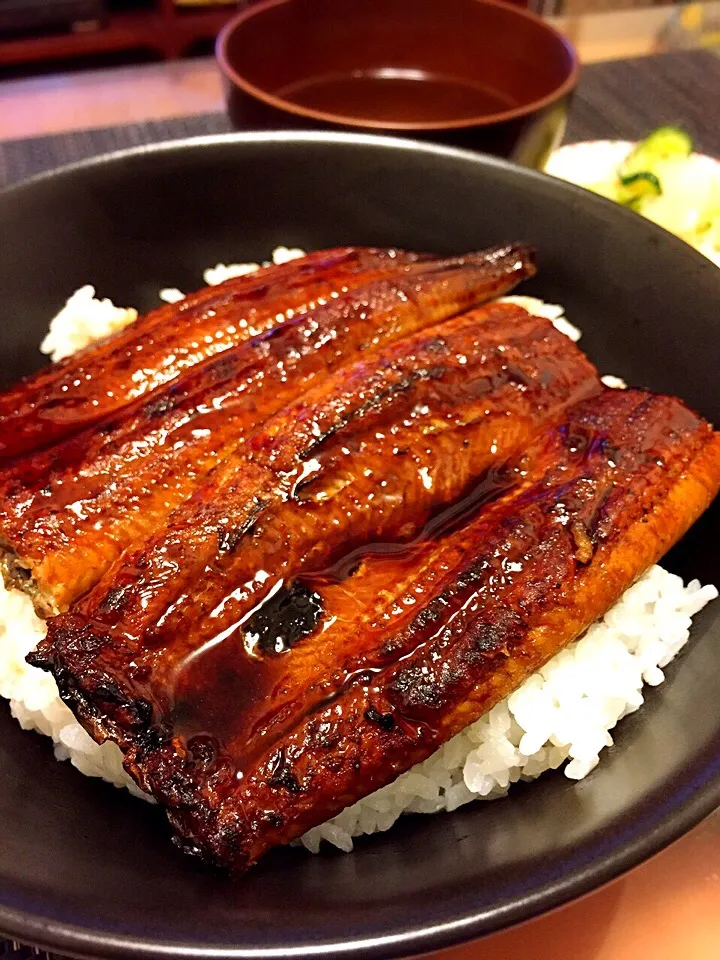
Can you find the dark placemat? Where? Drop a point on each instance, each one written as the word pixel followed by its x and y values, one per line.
pixel 618 100
pixel 24 158
pixel 624 99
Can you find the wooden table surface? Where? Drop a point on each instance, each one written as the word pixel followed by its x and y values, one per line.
pixel 668 908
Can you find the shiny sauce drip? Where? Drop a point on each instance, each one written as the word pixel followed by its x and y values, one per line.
pixel 442 522
pixel 286 616
pixel 233 687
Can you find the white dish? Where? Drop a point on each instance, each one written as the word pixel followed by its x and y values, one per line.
pixel 592 161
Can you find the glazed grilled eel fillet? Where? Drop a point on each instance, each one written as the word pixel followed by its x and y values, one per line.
pixel 368 453
pixel 66 513
pixel 154 350
pixel 408 648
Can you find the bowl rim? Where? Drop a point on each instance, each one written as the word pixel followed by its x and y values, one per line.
pixel 237 79
pixel 70 937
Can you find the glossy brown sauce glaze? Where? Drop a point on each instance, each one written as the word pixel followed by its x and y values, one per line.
pixel 69 511
pixel 369 455
pixel 410 647
pixel 254 700
pixel 154 350
pixel 357 601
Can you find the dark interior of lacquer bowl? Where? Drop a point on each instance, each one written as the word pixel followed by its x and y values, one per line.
pixel 86 868
pixel 386 62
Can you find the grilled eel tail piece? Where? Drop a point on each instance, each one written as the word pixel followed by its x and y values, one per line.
pixel 68 512
pixel 409 649
pixel 63 398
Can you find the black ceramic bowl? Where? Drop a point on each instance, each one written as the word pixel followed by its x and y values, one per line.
pixel 475 73
pixel 85 869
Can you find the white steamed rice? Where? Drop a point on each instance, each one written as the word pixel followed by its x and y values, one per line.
pixel 561 715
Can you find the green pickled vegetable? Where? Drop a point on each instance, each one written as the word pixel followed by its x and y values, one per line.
pixel 636 187
pixel 662 145
pixel 662 179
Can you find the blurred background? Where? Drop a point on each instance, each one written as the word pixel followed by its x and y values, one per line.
pixel 73 64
